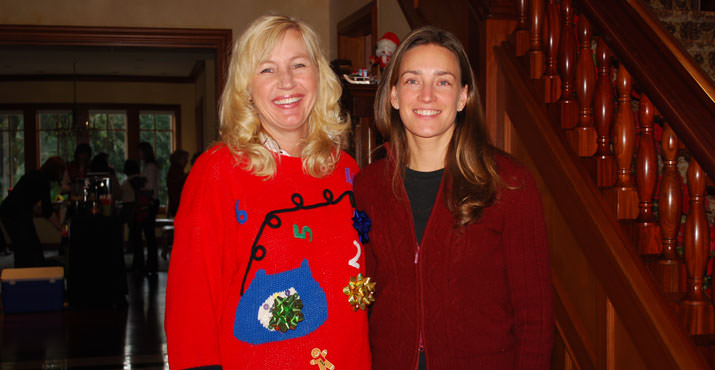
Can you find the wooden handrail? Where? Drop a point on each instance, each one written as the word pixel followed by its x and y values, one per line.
pixel 639 304
pixel 683 95
pixel 676 48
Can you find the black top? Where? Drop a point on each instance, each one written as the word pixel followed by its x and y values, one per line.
pixel 33 187
pixel 422 188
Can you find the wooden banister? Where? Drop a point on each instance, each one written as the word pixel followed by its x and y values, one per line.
pixel 641 307
pixel 536 52
pixel 521 34
pixel 567 67
pixel 624 195
pixel 667 271
pixel 603 117
pixel 552 29
pixel 684 95
pixel 698 310
pixel 631 199
pixel 646 176
pixel 584 137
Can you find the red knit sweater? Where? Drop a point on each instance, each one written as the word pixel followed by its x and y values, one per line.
pixel 241 242
pixel 479 297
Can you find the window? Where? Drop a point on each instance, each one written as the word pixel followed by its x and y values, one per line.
pixel 12 150
pixel 32 133
pixel 157 128
pixel 56 135
pixel 108 134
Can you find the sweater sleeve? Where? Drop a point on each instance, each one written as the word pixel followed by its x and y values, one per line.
pixel 194 289
pixel 529 275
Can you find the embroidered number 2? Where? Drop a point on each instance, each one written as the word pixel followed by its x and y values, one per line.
pixel 354 261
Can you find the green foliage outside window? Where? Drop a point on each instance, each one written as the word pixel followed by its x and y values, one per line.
pixel 12 150
pixel 56 136
pixel 108 134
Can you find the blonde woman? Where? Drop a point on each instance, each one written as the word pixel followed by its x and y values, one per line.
pixel 264 243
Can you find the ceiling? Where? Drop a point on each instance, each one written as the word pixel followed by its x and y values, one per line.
pixel 99 61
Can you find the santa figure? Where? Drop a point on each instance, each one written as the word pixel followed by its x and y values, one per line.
pixel 386 45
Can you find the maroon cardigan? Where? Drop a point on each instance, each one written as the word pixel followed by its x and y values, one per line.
pixel 481 295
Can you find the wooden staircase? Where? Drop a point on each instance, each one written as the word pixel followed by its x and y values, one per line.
pixel 580 90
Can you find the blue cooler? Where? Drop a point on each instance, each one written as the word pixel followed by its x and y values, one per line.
pixel 33 289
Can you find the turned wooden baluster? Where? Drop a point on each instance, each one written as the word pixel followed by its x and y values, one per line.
pixel 667 270
pixel 647 173
pixel 536 53
pixel 698 310
pixel 567 67
pixel 583 138
pixel 521 34
pixel 603 117
pixel 552 28
pixel 624 195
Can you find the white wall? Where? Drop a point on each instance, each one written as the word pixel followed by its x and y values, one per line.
pixel 389 18
pixel 230 14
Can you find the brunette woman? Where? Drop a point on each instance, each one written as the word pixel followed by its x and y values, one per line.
pixel 458 244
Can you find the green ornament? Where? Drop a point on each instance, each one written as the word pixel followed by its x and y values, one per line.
pixel 286 313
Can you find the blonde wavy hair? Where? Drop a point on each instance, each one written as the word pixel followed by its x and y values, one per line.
pixel 240 126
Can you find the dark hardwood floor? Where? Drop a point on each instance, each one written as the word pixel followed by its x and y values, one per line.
pixel 110 336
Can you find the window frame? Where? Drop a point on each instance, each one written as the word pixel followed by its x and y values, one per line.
pixel 12 180
pixel 31 121
pixel 39 130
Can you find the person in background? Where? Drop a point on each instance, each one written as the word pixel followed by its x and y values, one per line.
pixel 77 168
pixel 150 168
pixel 30 197
pixel 266 268
pixel 100 164
pixel 175 178
pixel 127 200
pixel 458 242
pixel 147 206
pixel 195 157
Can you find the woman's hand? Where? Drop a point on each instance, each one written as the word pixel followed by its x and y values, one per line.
pixel 55 220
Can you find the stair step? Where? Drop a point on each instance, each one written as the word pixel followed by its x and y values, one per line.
pixel 706 345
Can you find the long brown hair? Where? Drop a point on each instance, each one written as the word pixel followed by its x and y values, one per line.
pixel 470 169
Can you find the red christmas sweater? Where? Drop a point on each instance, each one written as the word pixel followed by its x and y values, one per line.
pixel 244 248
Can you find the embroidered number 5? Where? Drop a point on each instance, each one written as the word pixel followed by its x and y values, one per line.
pixel 354 261
pixel 301 235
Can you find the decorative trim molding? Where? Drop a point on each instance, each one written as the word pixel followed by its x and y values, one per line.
pixel 217 40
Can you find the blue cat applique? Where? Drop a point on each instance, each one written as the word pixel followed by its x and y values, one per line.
pixel 254 309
